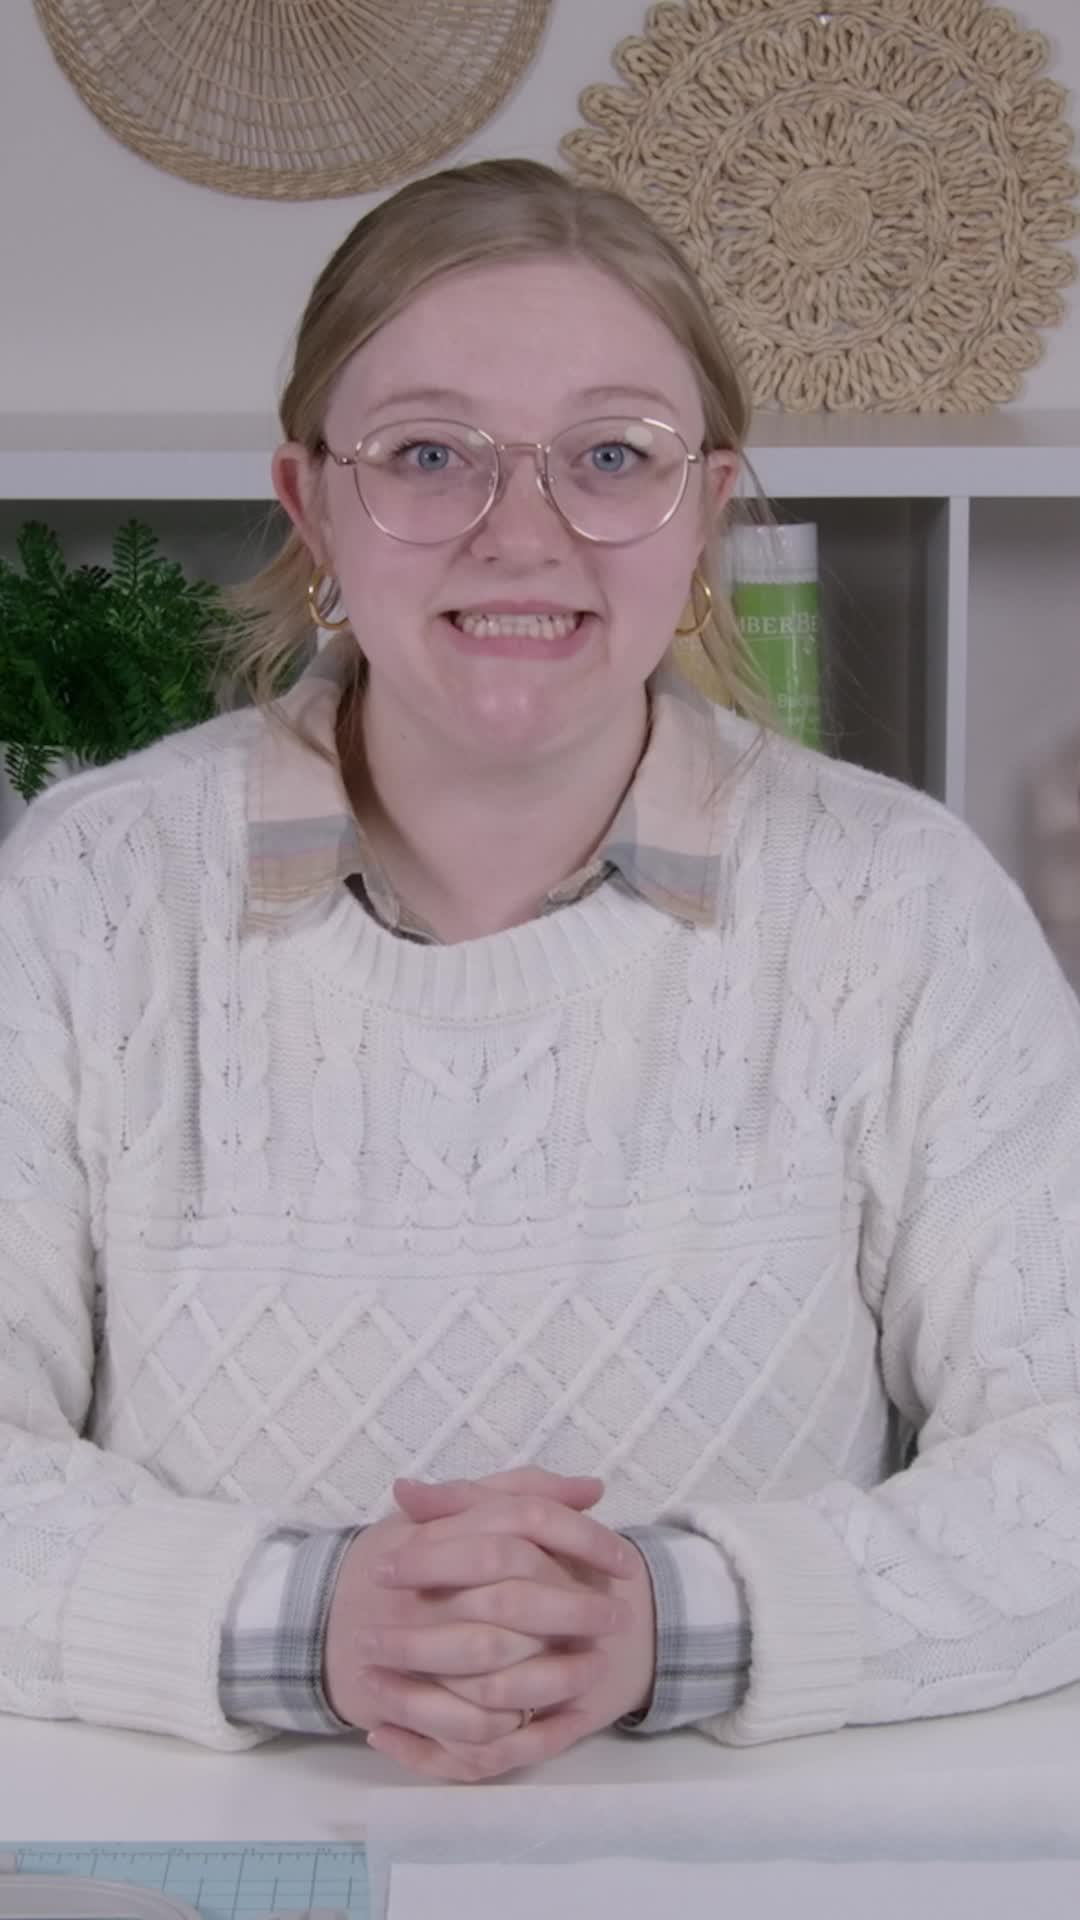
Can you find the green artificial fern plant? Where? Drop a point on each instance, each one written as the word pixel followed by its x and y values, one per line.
pixel 97 661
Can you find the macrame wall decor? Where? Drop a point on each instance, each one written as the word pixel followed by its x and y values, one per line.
pixel 876 194
pixel 290 100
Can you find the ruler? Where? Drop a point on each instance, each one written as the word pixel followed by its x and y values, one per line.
pixel 220 1882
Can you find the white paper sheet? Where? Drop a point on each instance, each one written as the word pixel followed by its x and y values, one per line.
pixel 770 1890
pixel 996 1788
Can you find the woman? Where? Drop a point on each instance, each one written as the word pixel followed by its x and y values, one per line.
pixel 502 1066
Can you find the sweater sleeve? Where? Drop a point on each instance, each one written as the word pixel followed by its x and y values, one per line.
pixel 955 1584
pixel 113 1590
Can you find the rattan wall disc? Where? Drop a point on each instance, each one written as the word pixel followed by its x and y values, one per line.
pixel 876 194
pixel 293 99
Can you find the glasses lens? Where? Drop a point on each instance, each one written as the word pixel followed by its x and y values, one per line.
pixel 425 480
pixel 617 479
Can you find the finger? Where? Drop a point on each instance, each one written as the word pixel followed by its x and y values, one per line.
pixel 470 1647
pixel 428 1758
pixel 429 1710
pixel 471 1560
pixel 545 1612
pixel 573 1536
pixel 522 1601
pixel 549 1680
pixel 530 1746
pixel 426 1500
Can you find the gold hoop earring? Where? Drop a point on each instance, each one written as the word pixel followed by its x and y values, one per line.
pixel 697 579
pixel 318 618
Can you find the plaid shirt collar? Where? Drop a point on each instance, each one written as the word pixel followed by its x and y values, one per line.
pixel 304 839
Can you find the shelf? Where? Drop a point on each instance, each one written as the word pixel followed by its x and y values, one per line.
pixel 949 562
pixel 135 457
pixel 1029 455
pixel 131 457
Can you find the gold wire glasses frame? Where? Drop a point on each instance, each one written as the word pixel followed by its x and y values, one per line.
pixel 480 457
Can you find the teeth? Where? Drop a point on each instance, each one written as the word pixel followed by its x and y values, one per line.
pixel 528 626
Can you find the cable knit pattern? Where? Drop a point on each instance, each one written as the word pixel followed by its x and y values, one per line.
pixel 727 1214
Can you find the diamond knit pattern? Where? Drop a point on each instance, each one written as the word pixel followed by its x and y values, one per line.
pixel 726 1215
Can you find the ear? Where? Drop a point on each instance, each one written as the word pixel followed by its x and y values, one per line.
pixel 721 479
pixel 296 478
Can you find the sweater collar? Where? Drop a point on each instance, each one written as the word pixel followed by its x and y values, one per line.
pixel 303 838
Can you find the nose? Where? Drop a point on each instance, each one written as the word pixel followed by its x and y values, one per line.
pixel 521 524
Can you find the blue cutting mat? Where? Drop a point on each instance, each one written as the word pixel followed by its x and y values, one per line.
pixel 222 1883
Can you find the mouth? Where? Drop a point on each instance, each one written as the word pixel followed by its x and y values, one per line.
pixel 532 626
pixel 547 635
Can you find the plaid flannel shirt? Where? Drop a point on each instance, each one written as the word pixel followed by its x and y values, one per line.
pixel 303 839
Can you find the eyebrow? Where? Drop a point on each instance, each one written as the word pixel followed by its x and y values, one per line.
pixel 650 394
pixel 421 396
pixel 453 397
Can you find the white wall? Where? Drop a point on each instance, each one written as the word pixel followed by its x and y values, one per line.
pixel 124 289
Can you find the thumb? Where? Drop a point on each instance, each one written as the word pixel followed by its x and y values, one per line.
pixel 433 1500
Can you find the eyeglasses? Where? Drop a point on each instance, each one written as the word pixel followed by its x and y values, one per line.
pixel 612 480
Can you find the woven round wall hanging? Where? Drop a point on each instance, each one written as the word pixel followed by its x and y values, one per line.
pixel 293 99
pixel 875 194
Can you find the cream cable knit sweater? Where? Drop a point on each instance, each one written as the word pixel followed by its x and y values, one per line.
pixel 725 1215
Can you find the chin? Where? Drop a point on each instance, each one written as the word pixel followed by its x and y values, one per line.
pixel 518 720
pixel 517 728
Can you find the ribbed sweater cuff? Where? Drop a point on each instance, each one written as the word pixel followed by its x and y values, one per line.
pixel 805 1616
pixel 142 1623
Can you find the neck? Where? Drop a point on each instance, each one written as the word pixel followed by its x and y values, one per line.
pixel 473 849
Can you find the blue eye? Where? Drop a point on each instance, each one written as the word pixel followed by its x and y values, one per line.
pixel 432 456
pixel 612 456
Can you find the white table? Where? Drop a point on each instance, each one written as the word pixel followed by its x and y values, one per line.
pixel 1005 1782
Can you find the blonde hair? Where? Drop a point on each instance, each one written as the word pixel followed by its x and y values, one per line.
pixel 495 211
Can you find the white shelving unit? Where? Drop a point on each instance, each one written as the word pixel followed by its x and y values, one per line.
pixel 950 563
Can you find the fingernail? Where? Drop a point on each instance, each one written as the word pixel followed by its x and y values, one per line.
pixel 384 1570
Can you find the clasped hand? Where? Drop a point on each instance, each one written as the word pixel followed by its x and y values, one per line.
pixel 486 1598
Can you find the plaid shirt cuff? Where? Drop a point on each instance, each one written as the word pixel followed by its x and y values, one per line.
pixel 270 1671
pixel 702 1629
